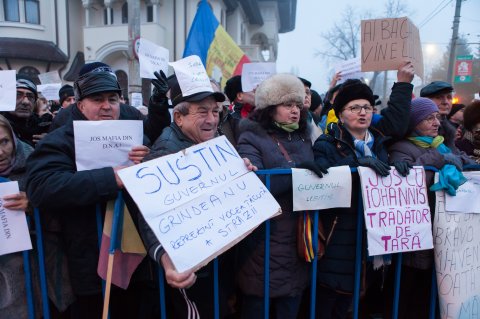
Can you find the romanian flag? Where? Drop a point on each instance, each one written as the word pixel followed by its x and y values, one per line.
pixel 130 253
pixel 217 50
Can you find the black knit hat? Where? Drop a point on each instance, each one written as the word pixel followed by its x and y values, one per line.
pixel 25 82
pixel 471 116
pixel 455 108
pixel 352 89
pixel 316 100
pixel 233 87
pixel 65 92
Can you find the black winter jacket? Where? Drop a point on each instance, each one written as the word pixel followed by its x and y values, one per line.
pixel 288 273
pixel 336 269
pixel 69 197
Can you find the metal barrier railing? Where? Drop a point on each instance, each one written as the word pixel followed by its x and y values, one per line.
pixel 118 218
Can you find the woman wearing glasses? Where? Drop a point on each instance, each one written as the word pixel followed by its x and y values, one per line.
pixel 425 147
pixel 354 141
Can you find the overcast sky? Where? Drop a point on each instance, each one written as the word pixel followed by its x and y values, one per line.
pixel 296 49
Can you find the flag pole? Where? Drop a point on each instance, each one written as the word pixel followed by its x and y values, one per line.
pixel 114 243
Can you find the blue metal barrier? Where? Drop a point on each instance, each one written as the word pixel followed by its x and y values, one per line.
pixel 28 280
pixel 41 264
pixel 116 228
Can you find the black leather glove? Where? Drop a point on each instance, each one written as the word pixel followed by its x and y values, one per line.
pixel 453 159
pixel 318 169
pixel 402 167
pixel 160 87
pixel 381 168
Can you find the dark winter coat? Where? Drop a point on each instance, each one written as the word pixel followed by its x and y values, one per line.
pixel 69 197
pixel 336 269
pixel 288 273
pixel 406 151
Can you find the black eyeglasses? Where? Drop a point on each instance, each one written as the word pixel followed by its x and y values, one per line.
pixel 22 95
pixel 356 109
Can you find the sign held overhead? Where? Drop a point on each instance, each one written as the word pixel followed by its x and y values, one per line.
pixel 388 43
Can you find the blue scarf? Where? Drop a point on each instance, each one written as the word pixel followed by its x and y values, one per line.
pixel 364 147
pixel 450 178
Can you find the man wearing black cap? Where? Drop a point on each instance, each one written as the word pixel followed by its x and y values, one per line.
pixel 441 93
pixel 242 103
pixel 25 125
pixel 70 197
pixel 153 124
pixel 195 120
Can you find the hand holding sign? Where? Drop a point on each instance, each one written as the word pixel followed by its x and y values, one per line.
pixel 17 201
pixel 175 279
pixel 406 72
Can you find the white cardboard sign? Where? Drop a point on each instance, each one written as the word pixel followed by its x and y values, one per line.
pixel 200 201
pixel 255 73
pixel 152 58
pixel 467 198
pixel 49 77
pixel 8 90
pixel 311 192
pixel 14 235
pixel 50 91
pixel 191 75
pixel 397 215
pixel 457 261
pixel 349 69
pixel 105 143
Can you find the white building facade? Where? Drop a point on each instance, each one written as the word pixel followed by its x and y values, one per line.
pixel 48 35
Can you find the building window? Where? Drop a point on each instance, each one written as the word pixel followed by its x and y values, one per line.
pixel 31 72
pixel 32 11
pixel 105 16
pixel 10 8
pixel 125 13
pixel 149 13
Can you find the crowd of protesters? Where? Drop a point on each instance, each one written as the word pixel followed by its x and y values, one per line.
pixel 283 123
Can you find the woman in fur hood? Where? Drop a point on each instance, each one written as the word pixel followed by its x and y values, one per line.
pixel 276 136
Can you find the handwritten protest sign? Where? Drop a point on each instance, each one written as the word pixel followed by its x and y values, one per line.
pixel 49 77
pixel 457 261
pixel 311 192
pixel 200 201
pixel 8 90
pixel 50 91
pixel 152 58
pixel 388 43
pixel 105 143
pixel 191 75
pixel 255 73
pixel 397 215
pixel 14 234
pixel 349 69
pixel 467 198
